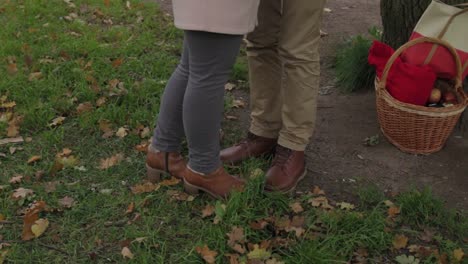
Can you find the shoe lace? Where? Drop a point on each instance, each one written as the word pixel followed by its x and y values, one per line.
pixel 282 156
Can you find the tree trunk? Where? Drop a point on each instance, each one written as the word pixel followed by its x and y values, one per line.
pixel 399 18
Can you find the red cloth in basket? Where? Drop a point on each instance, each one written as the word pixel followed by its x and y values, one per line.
pixel 406 82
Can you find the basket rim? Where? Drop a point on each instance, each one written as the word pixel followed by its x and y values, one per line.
pixel 417 109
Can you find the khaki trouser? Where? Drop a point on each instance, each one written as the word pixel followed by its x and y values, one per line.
pixel 284 64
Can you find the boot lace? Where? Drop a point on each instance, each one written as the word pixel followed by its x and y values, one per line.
pixel 282 156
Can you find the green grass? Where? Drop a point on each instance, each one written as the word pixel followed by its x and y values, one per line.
pixel 353 72
pixel 97 227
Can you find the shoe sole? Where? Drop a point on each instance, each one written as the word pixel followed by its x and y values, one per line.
pixel 194 190
pixel 293 188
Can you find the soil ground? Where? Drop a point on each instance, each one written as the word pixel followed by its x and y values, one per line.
pixel 337 158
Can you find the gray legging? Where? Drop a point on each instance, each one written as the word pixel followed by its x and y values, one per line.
pixel 193 101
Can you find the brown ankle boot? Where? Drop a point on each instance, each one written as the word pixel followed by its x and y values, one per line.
pixel 252 146
pixel 287 170
pixel 164 163
pixel 218 184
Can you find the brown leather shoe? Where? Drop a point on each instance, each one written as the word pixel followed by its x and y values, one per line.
pixel 287 170
pixel 164 163
pixel 252 146
pixel 218 184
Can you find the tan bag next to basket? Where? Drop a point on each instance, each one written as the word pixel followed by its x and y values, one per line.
pixel 446 22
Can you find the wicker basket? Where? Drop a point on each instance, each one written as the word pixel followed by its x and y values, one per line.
pixel 417 129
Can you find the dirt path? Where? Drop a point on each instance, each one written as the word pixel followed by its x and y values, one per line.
pixel 338 161
pixel 337 156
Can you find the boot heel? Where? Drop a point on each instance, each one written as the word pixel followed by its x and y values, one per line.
pixel 154 175
pixel 190 189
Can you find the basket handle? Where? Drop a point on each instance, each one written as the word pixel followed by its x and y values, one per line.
pixel 396 55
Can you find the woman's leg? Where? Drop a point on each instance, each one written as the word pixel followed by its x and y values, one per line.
pixel 170 130
pixel 211 58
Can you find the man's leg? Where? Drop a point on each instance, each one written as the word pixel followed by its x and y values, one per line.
pixel 299 52
pixel 265 71
pixel 265 86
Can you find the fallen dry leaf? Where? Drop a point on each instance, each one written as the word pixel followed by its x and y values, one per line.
pixel 296 225
pixel 233 258
pixel 21 193
pixel 64 160
pixel 170 182
pixel 323 34
pixel 84 107
pixel 317 191
pixel 420 251
pixel 259 253
pixel 236 236
pixel 400 242
pixel 140 239
pixel 101 101
pixel 111 162
pixel 180 196
pixel 130 208
pixel 208 211
pixel 66 202
pixel 57 121
pixel 122 132
pixel 16 179
pixel 65 152
pixel 345 206
pixel 208 255
pixel 238 103
pixel 39 227
pixel 393 211
pixel 13 131
pixel 258 225
pixel 296 207
pixel 13 150
pixel 427 235
pixel 30 218
pixel 12 68
pixel 11 140
pixel 7 105
pixel 35 76
pixel 117 62
pixel 50 187
pixel 143 147
pixel 34 159
pixel 230 117
pixel 458 254
pixel 229 87
pixel 320 201
pixel 126 253
pixel 145 188
pixel 145 132
pixel 106 127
